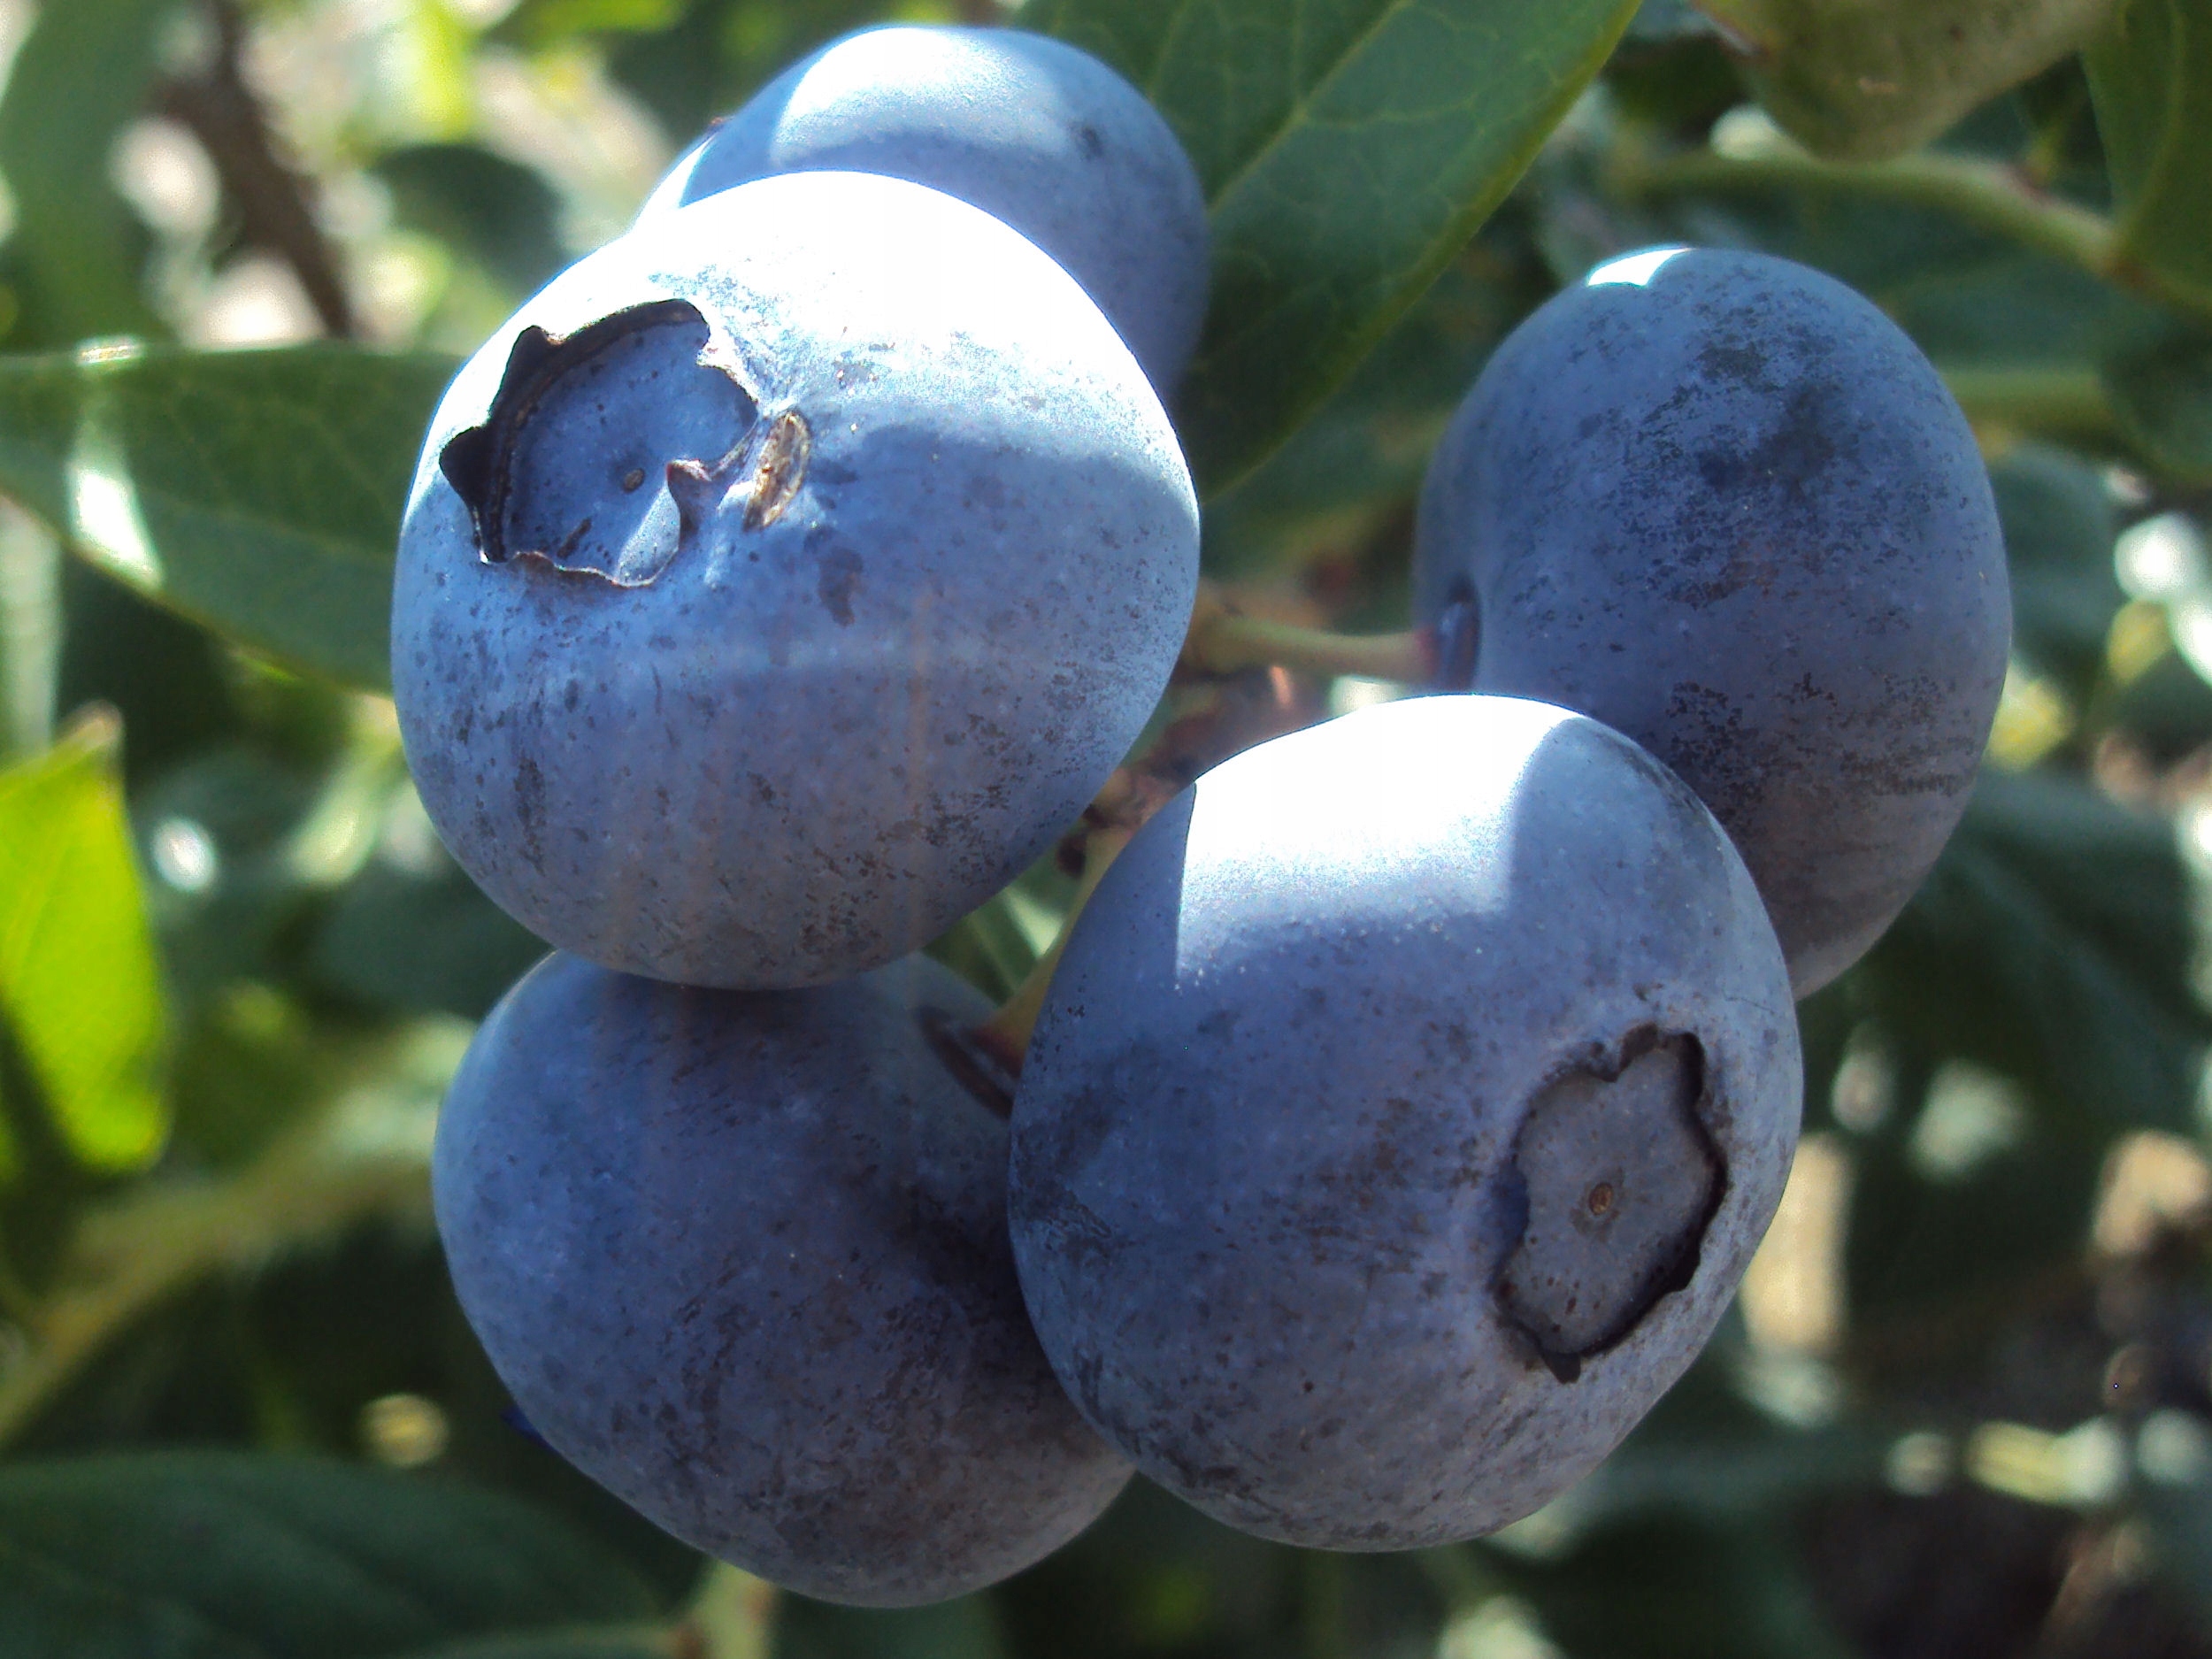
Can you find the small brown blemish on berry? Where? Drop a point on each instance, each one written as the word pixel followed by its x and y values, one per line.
pixel 778 467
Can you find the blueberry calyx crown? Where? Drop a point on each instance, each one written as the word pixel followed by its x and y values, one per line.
pixel 605 451
pixel 1618 1176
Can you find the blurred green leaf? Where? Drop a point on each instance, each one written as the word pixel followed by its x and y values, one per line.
pixel 2054 944
pixel 499 212
pixel 79 79
pixel 964 1629
pixel 2151 74
pixel 2180 1518
pixel 217 831
pixel 1665 1588
pixel 714 57
pixel 2160 392
pixel 78 987
pixel 259 492
pixel 171 679
pixel 421 939
pixel 618 1644
pixel 227 1555
pixel 1703 1452
pixel 2059 527
pixel 1347 153
pixel 1933 1258
pixel 541 23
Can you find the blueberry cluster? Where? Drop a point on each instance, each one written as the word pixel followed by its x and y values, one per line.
pixel 1411 1093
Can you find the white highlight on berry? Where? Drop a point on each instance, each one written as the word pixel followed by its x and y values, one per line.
pixel 1634 270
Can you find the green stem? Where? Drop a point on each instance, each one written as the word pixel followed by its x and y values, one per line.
pixel 1223 641
pixel 1229 642
pixel 1997 198
pixel 732 1617
pixel 1005 1035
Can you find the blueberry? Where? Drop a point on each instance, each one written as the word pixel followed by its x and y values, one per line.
pixel 782 578
pixel 1034 131
pixel 1721 502
pixel 741 1258
pixel 1406 1107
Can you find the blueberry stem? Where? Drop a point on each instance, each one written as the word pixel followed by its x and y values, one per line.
pixel 1006 1034
pixel 1223 640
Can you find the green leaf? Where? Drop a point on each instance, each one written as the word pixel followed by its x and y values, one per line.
pixel 537 24
pixel 258 491
pixel 612 1644
pixel 2161 394
pixel 1663 1587
pixel 1924 1237
pixel 2150 73
pixel 1348 149
pixel 2058 524
pixel 951 1630
pixel 500 213
pixel 2053 944
pixel 79 79
pixel 79 986
pixel 1869 78
pixel 235 1555
pixel 421 940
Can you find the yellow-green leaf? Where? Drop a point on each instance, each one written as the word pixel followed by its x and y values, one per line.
pixel 79 986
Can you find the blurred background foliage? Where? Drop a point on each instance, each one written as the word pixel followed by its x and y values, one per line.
pixel 1964 1405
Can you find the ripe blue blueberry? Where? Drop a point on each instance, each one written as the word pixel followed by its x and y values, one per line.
pixel 782 578
pixel 1406 1107
pixel 742 1258
pixel 1721 502
pixel 1031 130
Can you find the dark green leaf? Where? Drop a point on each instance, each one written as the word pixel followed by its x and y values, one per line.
pixel 1348 149
pixel 2053 944
pixel 2160 392
pixel 613 1644
pixel 171 679
pixel 1925 1249
pixel 2180 1519
pixel 259 492
pixel 2166 711
pixel 233 1555
pixel 1704 1453
pixel 217 832
pixel 421 940
pixel 500 214
pixel 75 252
pixel 1662 1588
pixel 1358 462
pixel 2059 528
pixel 2151 74
pixel 79 987
pixel 964 1629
